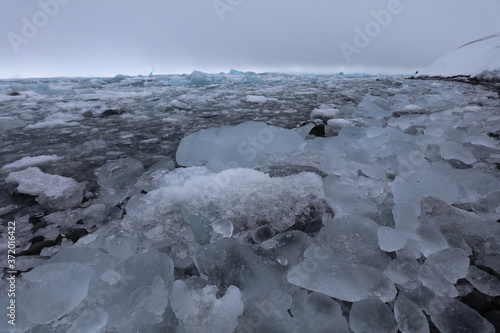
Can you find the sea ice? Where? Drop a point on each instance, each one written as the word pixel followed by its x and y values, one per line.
pixel 52 191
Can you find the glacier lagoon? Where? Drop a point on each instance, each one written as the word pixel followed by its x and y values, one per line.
pixel 248 202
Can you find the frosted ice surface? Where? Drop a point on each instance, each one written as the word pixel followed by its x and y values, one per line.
pixel 320 314
pixel 452 264
pixel 372 315
pixel 30 161
pixel 353 239
pixel 228 262
pixel 427 181
pixel 432 279
pixel 244 145
pixel 198 78
pixel 405 218
pixel 402 270
pixel 53 192
pixel 484 282
pixel 390 239
pixel 350 199
pixel 176 104
pixel 62 285
pixel 372 107
pixel 409 316
pixel 452 316
pixel 431 240
pixel 259 99
pixel 117 179
pixel 224 227
pixel 201 309
pixel 342 280
pixel 324 113
pixel 452 150
pixel 143 287
pixel 90 321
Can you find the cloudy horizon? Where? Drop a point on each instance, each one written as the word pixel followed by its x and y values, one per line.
pixel 50 38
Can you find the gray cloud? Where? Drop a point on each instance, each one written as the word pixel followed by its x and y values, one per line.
pixel 93 38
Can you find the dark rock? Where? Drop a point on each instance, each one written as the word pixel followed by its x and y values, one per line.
pixel 75 234
pixel 36 248
pixel 494 318
pixel 262 233
pixel 111 112
pixel 415 130
pixel 87 114
pixel 477 301
pixel 14 93
pixel 318 130
pixel 494 135
pixel 287 170
pixel 37 239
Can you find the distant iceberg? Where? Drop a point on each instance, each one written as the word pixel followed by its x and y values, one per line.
pixel 478 60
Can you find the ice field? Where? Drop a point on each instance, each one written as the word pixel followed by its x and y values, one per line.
pixel 246 202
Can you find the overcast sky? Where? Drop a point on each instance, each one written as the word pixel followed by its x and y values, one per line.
pixel 108 37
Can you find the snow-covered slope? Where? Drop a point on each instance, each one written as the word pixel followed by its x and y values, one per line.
pixel 479 59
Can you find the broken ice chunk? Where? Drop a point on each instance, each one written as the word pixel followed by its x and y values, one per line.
pixel 402 270
pixel 409 316
pixel 484 282
pixel 452 316
pixel 430 278
pixel 53 192
pixel 452 264
pixel 454 151
pixel 372 315
pixel 90 321
pixel 200 309
pixel 431 240
pixel 62 286
pixel 320 314
pixel 390 239
pixel 117 178
pixel 352 238
pixel 244 145
pixel 406 218
pixel 342 280
pixel 224 227
pixel 30 161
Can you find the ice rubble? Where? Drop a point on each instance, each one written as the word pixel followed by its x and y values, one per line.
pixel 479 59
pixel 386 222
pixel 52 191
pixel 30 161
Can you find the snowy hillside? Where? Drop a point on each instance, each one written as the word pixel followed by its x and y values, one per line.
pixel 479 59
